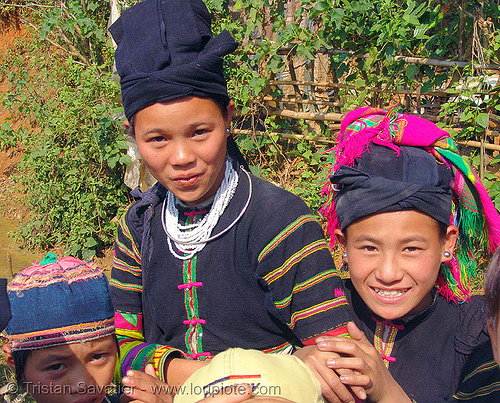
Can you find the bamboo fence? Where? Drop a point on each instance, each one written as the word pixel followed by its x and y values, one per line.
pixel 304 100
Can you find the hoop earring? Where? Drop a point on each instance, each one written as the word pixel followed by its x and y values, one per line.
pixel 344 267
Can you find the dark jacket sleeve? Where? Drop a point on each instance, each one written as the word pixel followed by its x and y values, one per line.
pixel 476 368
pixel 297 271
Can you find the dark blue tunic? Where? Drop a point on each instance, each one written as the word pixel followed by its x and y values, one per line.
pixel 428 353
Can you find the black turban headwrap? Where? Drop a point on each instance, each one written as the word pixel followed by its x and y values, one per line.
pixel 5 312
pixel 166 51
pixel 383 180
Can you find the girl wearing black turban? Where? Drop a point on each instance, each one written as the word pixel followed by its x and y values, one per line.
pixel 406 211
pixel 211 257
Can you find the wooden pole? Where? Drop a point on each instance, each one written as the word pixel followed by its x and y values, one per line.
pixel 298 137
pixel 318 139
pixel 384 90
pixel 336 117
pixel 477 144
pixel 269 98
pixel 406 59
pixel 481 157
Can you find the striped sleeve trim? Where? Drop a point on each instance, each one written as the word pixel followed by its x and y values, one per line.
pixel 125 335
pixel 123 266
pixel 284 347
pixel 136 355
pixel 294 259
pixel 305 285
pixel 487 366
pixel 285 233
pixel 134 252
pixel 134 352
pixel 160 359
pixel 125 286
pixel 126 251
pixel 125 345
pixel 482 391
pixel 316 309
pixel 340 331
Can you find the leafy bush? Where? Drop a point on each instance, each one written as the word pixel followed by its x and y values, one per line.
pixel 365 42
pixel 73 148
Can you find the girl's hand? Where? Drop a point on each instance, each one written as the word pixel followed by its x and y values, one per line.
pixel 146 387
pixel 332 388
pixel 368 368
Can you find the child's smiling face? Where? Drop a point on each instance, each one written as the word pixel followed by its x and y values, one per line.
pixel 71 373
pixel 183 144
pixel 394 260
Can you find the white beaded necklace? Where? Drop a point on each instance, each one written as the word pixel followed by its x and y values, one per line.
pixel 192 238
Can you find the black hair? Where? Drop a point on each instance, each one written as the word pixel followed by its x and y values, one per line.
pixel 492 289
pixel 21 356
pixel 443 229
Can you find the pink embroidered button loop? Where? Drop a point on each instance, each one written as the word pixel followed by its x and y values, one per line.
pixel 388 358
pixel 194 321
pixel 193 213
pixel 196 355
pixel 190 285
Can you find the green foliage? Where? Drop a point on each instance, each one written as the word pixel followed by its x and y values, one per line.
pixel 366 42
pixel 74 153
pixel 306 184
pixel 8 136
pixel 74 159
pixel 76 26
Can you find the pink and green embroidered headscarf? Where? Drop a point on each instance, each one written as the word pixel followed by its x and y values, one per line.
pixel 471 208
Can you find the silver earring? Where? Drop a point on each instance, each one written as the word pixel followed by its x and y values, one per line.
pixel 228 130
pixel 344 267
pixel 446 254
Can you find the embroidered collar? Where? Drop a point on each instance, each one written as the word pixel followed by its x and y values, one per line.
pixel 204 205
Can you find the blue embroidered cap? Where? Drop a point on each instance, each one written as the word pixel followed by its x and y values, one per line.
pixel 58 302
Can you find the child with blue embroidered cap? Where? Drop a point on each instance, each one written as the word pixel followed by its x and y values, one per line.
pixel 61 336
pixel 61 340
pixel 211 257
pixel 407 212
